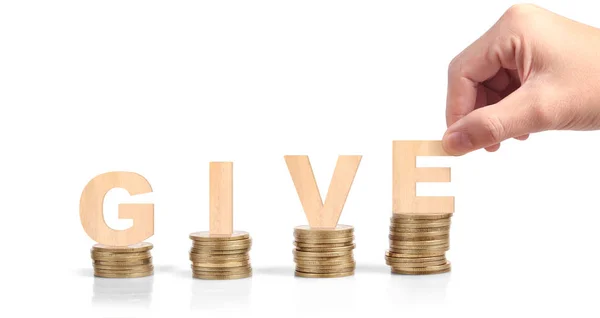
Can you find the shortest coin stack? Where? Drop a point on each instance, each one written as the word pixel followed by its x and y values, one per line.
pixel 324 253
pixel 418 244
pixel 221 257
pixel 122 261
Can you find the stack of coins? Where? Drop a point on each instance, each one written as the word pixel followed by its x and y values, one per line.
pixel 418 244
pixel 221 257
pixel 122 261
pixel 324 253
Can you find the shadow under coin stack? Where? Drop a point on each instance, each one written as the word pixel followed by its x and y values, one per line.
pixel 324 253
pixel 418 243
pixel 221 257
pixel 122 261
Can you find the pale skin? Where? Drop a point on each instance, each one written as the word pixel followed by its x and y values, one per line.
pixel 532 71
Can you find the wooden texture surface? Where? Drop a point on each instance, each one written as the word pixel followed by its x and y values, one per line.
pixel 92 215
pixel 321 215
pixel 221 198
pixel 406 175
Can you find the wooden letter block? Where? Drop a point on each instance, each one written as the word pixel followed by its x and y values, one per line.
pixel 406 175
pixel 221 198
pixel 92 215
pixel 319 215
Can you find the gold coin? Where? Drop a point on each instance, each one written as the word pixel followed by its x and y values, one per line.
pixel 413 216
pixel 326 249
pixel 323 266
pixel 221 264
pixel 422 253
pixel 221 271
pixel 413 260
pixel 216 257
pixel 410 245
pixel 416 220
pixel 132 262
pixel 211 261
pixel 111 254
pixel 313 245
pixel 203 252
pixel 420 243
pixel 139 247
pixel 402 248
pixel 242 271
pixel 410 256
pixel 312 270
pixel 303 263
pixel 426 236
pixel 420 225
pixel 402 265
pixel 221 248
pixel 123 275
pixel 403 245
pixel 115 272
pixel 419 237
pixel 329 275
pixel 423 270
pixel 349 255
pixel 324 254
pixel 212 250
pixel 218 244
pixel 324 260
pixel 414 227
pixel 223 258
pixel 230 270
pixel 139 268
pixel 203 268
pixel 402 272
pixel 244 242
pixel 443 266
pixel 207 237
pixel 339 231
pixel 346 240
pixel 336 261
pixel 133 268
pixel 119 258
pixel 418 253
pixel 221 277
pixel 437 230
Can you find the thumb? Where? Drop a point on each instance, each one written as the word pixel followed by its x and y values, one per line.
pixel 516 115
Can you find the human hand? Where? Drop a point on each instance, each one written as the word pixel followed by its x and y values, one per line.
pixel 532 71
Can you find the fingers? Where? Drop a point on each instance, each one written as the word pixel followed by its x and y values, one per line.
pixel 499 82
pixel 513 117
pixel 524 137
pixel 478 63
pixel 493 148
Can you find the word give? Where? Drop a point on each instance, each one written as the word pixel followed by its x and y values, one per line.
pixel 405 175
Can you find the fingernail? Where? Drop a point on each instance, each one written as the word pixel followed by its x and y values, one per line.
pixel 457 143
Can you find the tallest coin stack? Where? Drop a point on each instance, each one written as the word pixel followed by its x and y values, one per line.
pixel 418 243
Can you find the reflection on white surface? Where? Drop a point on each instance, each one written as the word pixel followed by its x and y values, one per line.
pixel 123 292
pixel 230 295
pixel 418 289
pixel 315 295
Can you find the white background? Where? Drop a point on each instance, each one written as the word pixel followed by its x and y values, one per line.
pixel 163 87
